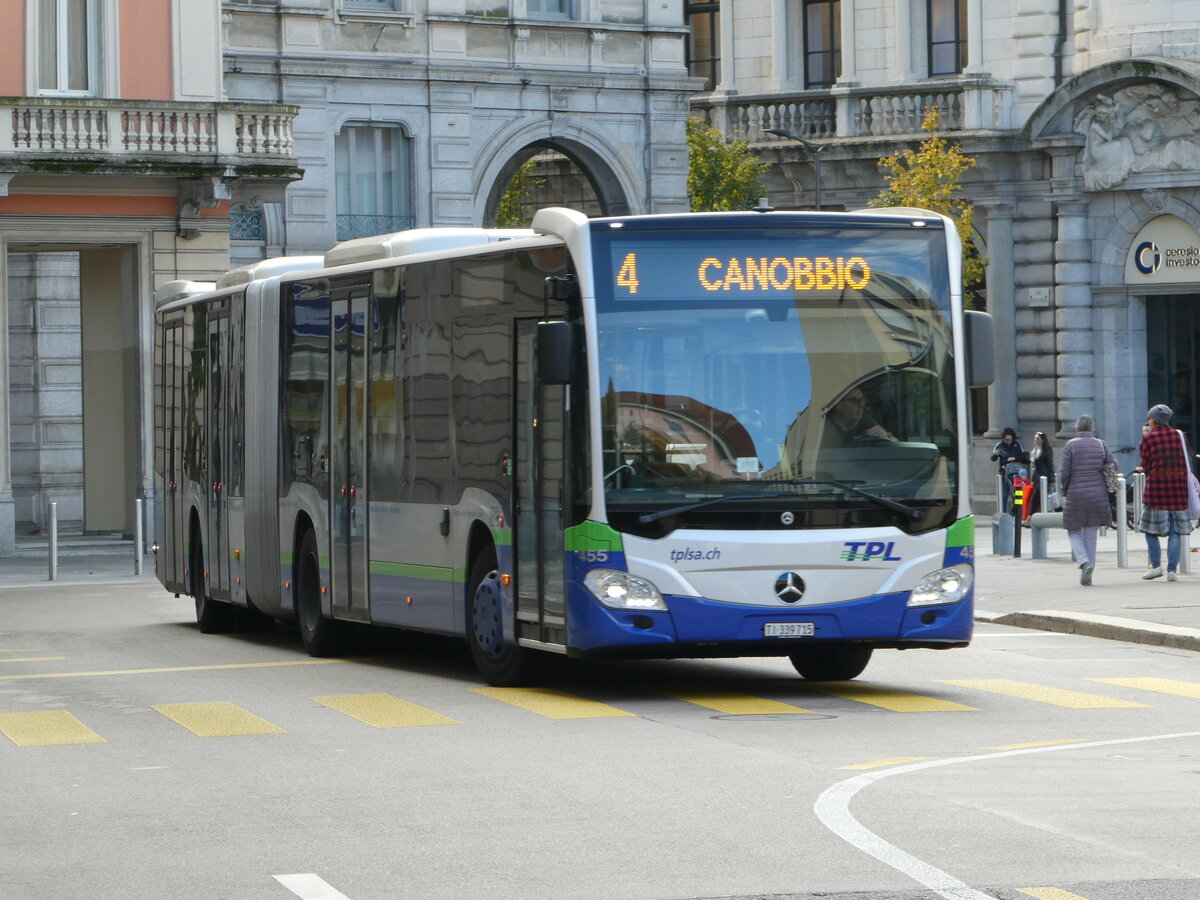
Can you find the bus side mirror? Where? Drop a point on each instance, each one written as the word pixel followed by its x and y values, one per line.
pixel 981 359
pixel 554 341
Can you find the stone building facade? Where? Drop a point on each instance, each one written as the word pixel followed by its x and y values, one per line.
pixel 418 112
pixel 153 140
pixel 1084 119
pixel 120 158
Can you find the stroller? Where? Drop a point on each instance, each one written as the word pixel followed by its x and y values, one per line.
pixel 1016 478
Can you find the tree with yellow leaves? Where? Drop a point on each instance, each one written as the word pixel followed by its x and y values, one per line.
pixel 930 178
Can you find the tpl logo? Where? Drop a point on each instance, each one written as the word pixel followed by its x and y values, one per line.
pixel 876 550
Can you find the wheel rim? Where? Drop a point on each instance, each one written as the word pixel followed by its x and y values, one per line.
pixel 485 616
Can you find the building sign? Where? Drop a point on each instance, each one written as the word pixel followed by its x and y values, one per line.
pixel 1165 251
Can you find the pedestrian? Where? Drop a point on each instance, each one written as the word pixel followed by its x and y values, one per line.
pixel 1008 451
pixel 1084 492
pixel 1165 459
pixel 1041 459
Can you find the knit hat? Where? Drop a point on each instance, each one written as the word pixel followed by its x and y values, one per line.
pixel 1161 414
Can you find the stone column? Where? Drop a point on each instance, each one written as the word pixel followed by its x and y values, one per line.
pixel 727 83
pixel 974 64
pixel 780 45
pixel 849 74
pixel 902 67
pixel 1075 338
pixel 1001 294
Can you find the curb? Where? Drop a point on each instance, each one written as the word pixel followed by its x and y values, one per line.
pixel 1113 628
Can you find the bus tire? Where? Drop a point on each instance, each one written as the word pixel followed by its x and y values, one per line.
pixel 832 662
pixel 213 616
pixel 321 636
pixel 501 664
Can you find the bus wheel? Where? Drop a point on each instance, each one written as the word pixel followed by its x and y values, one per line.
pixel 832 662
pixel 501 664
pixel 320 636
pixel 213 616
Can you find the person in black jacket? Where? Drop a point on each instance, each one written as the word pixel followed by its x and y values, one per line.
pixel 1042 460
pixel 1008 450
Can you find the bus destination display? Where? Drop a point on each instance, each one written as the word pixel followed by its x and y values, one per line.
pixel 658 272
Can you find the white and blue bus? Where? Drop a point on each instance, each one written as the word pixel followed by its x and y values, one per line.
pixel 695 435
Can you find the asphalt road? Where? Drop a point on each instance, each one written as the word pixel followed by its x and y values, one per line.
pixel 143 759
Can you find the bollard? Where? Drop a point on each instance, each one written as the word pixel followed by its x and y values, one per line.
pixel 1039 528
pixel 1122 525
pixel 1043 492
pixel 137 537
pixel 1002 534
pixel 53 541
pixel 1018 508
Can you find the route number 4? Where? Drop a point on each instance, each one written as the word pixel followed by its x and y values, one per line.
pixel 627 274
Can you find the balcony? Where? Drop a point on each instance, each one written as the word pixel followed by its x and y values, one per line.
pixel 965 104
pixel 62 135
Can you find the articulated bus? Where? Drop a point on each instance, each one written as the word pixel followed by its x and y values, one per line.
pixel 694 435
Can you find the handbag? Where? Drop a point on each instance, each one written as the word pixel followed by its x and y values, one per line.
pixel 1110 477
pixel 1193 482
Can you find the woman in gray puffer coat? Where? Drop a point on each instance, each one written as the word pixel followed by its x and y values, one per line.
pixel 1085 495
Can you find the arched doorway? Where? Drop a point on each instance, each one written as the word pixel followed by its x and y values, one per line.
pixel 554 173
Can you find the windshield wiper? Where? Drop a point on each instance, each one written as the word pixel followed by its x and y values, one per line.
pixel 647 518
pixel 886 502
pixel 915 515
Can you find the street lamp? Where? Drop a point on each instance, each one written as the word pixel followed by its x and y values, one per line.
pixel 814 149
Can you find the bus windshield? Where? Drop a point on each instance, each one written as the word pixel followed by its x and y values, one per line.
pixel 775 361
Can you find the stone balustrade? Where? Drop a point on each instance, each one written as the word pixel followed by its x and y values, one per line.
pixel 44 126
pixel 966 104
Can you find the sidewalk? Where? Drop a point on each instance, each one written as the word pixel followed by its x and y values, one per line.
pixel 1046 593
pixel 1024 592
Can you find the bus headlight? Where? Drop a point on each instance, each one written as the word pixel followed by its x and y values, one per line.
pixel 620 590
pixel 943 586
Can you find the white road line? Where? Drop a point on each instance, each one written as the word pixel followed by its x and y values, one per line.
pixel 833 810
pixel 310 887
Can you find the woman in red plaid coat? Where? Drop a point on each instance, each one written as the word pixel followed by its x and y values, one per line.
pixel 1165 460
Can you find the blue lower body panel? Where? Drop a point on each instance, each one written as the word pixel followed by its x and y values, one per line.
pixel 696 627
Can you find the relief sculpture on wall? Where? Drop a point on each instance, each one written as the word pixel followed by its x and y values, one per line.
pixel 1140 128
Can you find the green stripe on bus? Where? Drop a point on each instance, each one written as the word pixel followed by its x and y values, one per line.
pixel 502 537
pixel 961 533
pixel 590 535
pixel 428 573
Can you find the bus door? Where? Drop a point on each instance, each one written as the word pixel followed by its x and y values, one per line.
pixel 348 454
pixel 173 543
pixel 538 503
pixel 216 451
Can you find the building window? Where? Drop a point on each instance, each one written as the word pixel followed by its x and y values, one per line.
pixel 372 181
pixel 822 42
pixel 552 9
pixel 947 36
pixel 375 5
pixel 704 41
pixel 65 46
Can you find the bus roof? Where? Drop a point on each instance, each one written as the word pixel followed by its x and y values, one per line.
pixel 176 290
pixel 265 268
pixel 417 240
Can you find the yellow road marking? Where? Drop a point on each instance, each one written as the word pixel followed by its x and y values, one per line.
pixel 46 727
pixel 1158 685
pixel 32 659
pixel 1050 893
pixel 897 701
pixel 552 704
pixel 1042 694
pixel 218 719
pixel 734 704
pixel 384 710
pixel 1035 744
pixel 18 650
pixel 263 665
pixel 880 763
